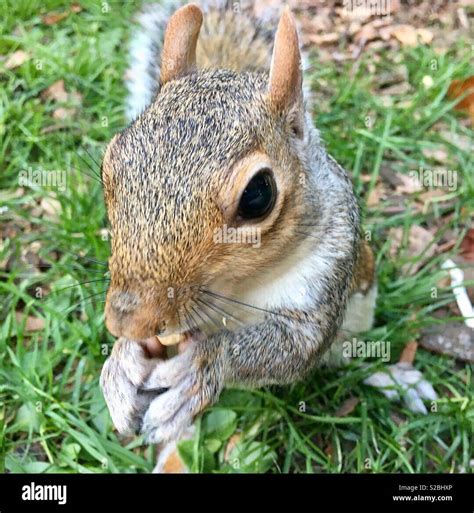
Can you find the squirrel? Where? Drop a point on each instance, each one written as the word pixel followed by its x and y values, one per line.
pixel 232 228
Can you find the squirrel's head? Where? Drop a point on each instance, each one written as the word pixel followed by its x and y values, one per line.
pixel 203 190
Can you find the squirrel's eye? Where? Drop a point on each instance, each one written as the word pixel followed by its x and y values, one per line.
pixel 259 196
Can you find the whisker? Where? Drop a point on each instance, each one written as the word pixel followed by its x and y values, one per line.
pixel 70 309
pixel 53 292
pixel 89 259
pixel 70 268
pixel 94 176
pixel 195 324
pixel 203 322
pixel 221 311
pixel 216 324
pixel 236 301
pixel 186 319
pixel 92 158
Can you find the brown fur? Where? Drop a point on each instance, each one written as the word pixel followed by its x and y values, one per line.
pixel 176 174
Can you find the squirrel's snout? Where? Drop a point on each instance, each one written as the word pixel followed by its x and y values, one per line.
pixel 126 316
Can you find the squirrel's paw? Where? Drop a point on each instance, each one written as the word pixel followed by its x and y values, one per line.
pixel 122 375
pixel 402 380
pixel 193 384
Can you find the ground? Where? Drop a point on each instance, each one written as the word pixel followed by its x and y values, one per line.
pixel 383 110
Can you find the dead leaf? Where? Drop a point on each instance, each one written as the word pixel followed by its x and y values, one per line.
pixel 347 407
pixel 375 196
pixel 425 35
pixel 408 35
pixel 409 184
pixel 367 33
pixel 437 154
pixel 16 59
pixel 467 246
pixel 396 89
pixel 453 339
pixel 231 444
pixel 459 88
pixel 409 353
pixel 75 8
pixel 51 208
pixel 54 17
pixel 324 39
pixel 419 245
pixel 427 198
pixel 31 324
pixel 462 142
pixel 56 92
pixel 63 113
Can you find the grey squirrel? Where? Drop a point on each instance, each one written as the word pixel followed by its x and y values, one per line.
pixel 222 141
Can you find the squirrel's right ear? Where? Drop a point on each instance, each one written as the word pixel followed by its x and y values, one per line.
pixel 285 88
pixel 178 57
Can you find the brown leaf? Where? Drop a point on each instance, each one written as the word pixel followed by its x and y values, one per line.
pixel 51 208
pixel 377 194
pixel 367 33
pixel 467 246
pixel 438 155
pixel 231 444
pixel 462 142
pixel 409 353
pixel 16 59
pixel 408 35
pixel 454 339
pixel 409 184
pixel 427 198
pixel 56 92
pixel 75 8
pixel 63 113
pixel 347 407
pixel 459 88
pixel 31 324
pixel 324 39
pixel 54 17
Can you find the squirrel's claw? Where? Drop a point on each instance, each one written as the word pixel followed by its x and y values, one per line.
pixel 171 413
pixel 402 380
pixel 122 375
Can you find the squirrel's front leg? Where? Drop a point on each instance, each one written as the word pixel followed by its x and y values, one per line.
pixel 280 350
pixel 122 375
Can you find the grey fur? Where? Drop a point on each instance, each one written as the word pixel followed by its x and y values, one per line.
pixel 161 177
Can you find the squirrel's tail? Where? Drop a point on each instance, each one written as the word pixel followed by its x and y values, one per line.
pixel 145 47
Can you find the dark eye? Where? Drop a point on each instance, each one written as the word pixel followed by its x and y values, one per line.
pixel 259 196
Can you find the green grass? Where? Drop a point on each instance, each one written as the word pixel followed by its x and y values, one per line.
pixel 52 415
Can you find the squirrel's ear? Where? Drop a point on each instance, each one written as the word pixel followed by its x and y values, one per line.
pixel 178 57
pixel 286 77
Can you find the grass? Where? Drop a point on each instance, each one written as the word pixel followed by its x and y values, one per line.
pixel 52 414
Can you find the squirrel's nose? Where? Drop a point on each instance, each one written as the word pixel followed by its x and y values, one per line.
pixel 127 316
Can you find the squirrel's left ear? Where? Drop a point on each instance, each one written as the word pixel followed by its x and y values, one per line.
pixel 285 88
pixel 178 57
